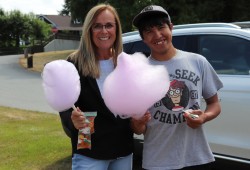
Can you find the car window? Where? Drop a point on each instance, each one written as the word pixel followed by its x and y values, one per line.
pixel 179 42
pixel 227 54
pixel 186 42
pixel 136 46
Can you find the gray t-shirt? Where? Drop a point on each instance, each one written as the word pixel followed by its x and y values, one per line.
pixel 169 143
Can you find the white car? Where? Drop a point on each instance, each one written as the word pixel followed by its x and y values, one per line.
pixel 227 48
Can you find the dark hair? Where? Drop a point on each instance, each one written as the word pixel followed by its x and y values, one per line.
pixel 151 21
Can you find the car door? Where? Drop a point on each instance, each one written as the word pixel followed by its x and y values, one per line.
pixel 229 55
pixel 228 134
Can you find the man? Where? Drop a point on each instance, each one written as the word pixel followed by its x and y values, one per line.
pixel 173 137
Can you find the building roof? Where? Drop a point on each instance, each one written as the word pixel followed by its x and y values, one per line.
pixel 61 22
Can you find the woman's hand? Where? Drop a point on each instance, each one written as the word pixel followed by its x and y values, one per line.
pixel 78 118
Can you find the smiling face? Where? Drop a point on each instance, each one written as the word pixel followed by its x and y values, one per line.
pixel 104 32
pixel 159 40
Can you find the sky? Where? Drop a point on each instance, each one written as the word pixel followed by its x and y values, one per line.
pixel 46 7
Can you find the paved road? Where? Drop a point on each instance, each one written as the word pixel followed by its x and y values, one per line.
pixel 21 88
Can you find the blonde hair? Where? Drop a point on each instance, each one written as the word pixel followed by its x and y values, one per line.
pixel 85 57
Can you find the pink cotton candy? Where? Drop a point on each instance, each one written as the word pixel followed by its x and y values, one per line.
pixel 61 84
pixel 134 86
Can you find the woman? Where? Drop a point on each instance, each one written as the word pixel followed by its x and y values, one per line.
pixel 111 142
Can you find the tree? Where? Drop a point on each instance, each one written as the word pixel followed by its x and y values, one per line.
pixel 236 10
pixel 39 30
pixel 5 39
pixel 181 11
pixel 78 9
pixel 16 26
pixel 1 12
pixel 125 13
pixel 17 23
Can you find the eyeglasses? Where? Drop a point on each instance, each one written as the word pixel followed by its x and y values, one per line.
pixel 176 91
pixel 99 27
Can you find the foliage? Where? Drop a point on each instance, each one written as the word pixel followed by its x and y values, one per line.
pixel 39 30
pixel 125 13
pixel 79 8
pixel 4 32
pixel 181 11
pixel 17 27
pixel 1 11
pixel 192 11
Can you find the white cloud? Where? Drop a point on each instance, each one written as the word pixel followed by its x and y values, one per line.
pixel 49 7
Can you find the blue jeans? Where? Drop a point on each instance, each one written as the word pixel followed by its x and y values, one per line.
pixel 80 162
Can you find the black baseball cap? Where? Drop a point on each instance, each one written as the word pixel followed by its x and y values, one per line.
pixel 151 9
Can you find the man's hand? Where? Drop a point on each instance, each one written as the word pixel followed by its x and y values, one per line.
pixel 139 125
pixel 194 118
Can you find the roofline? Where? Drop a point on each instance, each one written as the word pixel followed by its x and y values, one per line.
pixel 49 20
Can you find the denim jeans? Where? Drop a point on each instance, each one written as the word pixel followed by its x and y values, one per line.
pixel 80 162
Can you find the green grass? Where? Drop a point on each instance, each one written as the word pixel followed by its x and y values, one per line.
pixel 32 140
pixel 39 59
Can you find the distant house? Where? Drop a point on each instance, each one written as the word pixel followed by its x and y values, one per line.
pixel 67 33
pixel 62 25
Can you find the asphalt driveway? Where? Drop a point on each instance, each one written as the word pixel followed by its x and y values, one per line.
pixel 21 88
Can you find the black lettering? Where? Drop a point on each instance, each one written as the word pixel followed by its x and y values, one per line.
pixel 196 79
pixel 195 106
pixel 191 75
pixel 169 118
pixel 184 74
pixel 169 121
pixel 194 94
pixel 157 104
pixel 163 117
pixel 155 115
pixel 178 73
pixel 177 119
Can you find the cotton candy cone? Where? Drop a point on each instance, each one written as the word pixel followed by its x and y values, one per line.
pixel 61 84
pixel 134 86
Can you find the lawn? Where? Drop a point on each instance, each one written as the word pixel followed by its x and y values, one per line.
pixel 32 140
pixel 40 59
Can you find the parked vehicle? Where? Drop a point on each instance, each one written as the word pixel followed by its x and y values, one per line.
pixel 227 48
